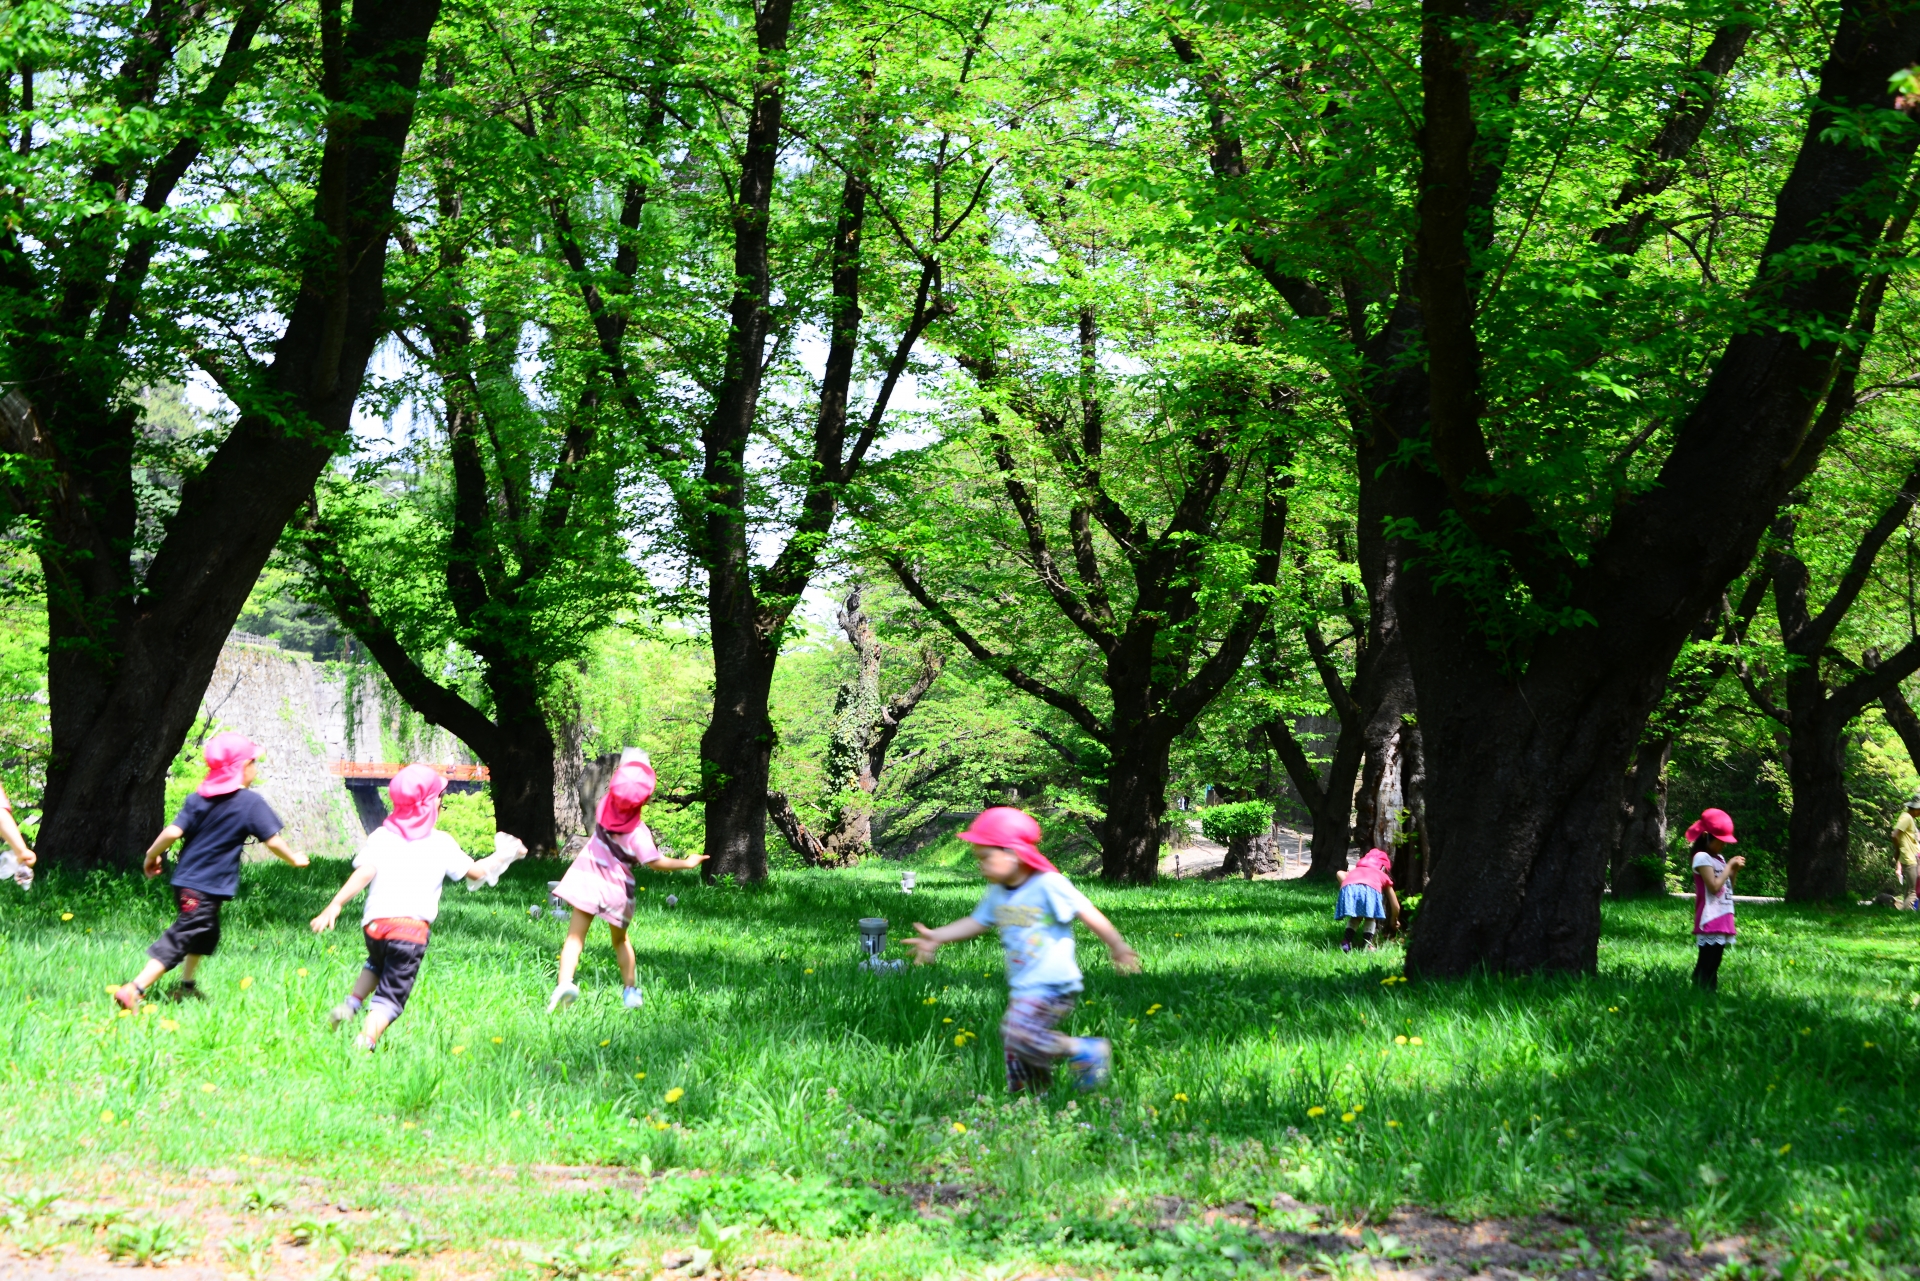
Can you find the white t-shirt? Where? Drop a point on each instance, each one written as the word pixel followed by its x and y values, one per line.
pixel 408 875
pixel 1712 913
pixel 1036 929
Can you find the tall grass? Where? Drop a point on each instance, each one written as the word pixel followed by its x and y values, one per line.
pixel 1253 1059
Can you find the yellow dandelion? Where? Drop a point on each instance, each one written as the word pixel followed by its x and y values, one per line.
pixel 514 1115
pixel 1316 1111
pixel 1414 1040
pixel 1346 1116
pixel 1180 1098
pixel 960 1039
pixel 406 1125
pixel 1399 1040
pixel 1179 936
pixel 1783 1149
pixel 946 1020
pixel 66 916
pixel 604 1044
pixel 112 988
pixel 168 1025
pixel 246 982
pixel 459 1049
pixel 639 1076
pixel 126 1014
pixel 206 1087
pixel 1613 1009
pixel 959 1128
pixel 106 1117
pixel 302 971
pixel 930 1000
pixel 1866 1045
pixel 1359 1107
pixel 676 1094
pixel 499 1040
pixel 1393 1125
pixel 809 970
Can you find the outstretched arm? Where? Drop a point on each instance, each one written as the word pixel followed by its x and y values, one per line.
pixel 686 864
pixel 161 844
pixel 1125 959
pixel 281 850
pixel 10 833
pixel 930 941
pixel 361 878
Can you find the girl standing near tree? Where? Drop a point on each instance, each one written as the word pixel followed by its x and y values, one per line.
pixel 1712 894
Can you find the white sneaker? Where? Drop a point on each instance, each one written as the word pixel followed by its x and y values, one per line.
pixel 632 997
pixel 564 995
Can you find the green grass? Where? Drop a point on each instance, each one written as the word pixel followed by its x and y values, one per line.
pixel 826 1096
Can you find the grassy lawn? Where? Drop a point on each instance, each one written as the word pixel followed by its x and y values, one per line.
pixel 1268 1092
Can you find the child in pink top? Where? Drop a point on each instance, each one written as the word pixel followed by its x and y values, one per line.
pixel 1713 926
pixel 1366 894
pixel 600 881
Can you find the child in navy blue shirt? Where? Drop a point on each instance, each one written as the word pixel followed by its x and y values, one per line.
pixel 215 823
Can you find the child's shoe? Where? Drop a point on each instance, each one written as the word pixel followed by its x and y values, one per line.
pixel 128 997
pixel 564 995
pixel 188 992
pixel 1091 1062
pixel 1346 945
pixel 632 997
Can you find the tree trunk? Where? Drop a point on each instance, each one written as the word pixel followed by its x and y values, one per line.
pixel 736 752
pixel 1817 772
pixel 1411 856
pixel 1640 857
pixel 1377 812
pixel 125 682
pixel 520 770
pixel 1136 799
pixel 1251 856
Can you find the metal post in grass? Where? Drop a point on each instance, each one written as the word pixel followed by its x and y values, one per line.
pixel 873 941
pixel 908 880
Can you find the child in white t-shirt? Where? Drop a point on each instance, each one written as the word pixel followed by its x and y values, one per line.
pixel 1713 926
pixel 403 867
pixel 1034 907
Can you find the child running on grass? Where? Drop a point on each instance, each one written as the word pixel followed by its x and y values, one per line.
pixel 1362 893
pixel 599 883
pixel 406 862
pixel 1034 908
pixel 215 823
pixel 17 860
pixel 1712 894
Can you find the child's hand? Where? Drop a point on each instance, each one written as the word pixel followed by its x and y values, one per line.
pixel 300 860
pixel 27 856
pixel 1125 959
pixel 1737 862
pixel 923 947
pixel 328 915
pixel 153 864
pixel 695 860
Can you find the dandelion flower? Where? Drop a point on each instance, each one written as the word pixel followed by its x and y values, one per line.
pixel 639 1076
pixel 459 1049
pixel 514 1115
pixel 604 1044
pixel 1784 1149
pixel 168 1025
pixel 1359 1107
pixel 1613 1009
pixel 406 1125
pixel 1346 1116
pixel 206 1087
pixel 1316 1111
pixel 1393 1125
pixel 930 1000
pixel 106 1117
pixel 946 1020
pixel 808 970
pixel 246 982
pixel 302 971
pixel 959 1128
pixel 112 988
pixel 1414 1040
pixel 960 1039
pixel 1866 1045
pixel 1180 1098
pixel 1399 1040
pixel 498 1040
pixel 66 916
pixel 676 1094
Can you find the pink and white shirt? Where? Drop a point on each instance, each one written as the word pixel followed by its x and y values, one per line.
pixel 1712 913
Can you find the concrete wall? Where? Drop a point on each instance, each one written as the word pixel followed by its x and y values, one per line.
pixel 298 710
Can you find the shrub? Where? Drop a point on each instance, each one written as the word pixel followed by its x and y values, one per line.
pixel 1222 823
pixel 468 818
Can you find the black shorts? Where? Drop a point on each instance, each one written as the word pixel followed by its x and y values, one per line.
pixel 396 965
pixel 195 932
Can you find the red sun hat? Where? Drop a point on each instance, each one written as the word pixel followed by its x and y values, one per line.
pixel 627 795
pixel 1715 823
pixel 1010 829
pixel 228 756
pixel 415 793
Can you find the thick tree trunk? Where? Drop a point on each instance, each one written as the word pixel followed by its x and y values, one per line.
pixel 1136 799
pixel 1251 856
pixel 125 683
pixel 1817 772
pixel 1412 855
pixel 1640 857
pixel 520 768
pixel 736 752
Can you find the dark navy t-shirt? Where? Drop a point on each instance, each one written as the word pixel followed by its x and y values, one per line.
pixel 216 828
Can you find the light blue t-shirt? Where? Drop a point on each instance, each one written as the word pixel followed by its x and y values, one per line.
pixel 1036 929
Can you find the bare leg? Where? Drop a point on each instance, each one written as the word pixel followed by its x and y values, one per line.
pixel 190 967
pixel 149 974
pixel 623 953
pixel 376 1023
pixel 570 950
pixel 363 984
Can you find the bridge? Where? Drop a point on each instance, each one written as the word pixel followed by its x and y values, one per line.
pixel 364 779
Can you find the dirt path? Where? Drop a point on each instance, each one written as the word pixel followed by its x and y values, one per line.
pixel 1202 858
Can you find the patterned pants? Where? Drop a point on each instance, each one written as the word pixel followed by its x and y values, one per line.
pixel 1027 1034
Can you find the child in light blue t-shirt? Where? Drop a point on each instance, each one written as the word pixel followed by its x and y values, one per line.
pixel 1034 907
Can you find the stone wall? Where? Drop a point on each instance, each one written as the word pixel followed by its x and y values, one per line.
pixel 297 710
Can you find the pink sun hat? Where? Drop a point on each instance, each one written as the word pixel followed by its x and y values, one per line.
pixel 627 795
pixel 415 793
pixel 1010 829
pixel 1715 823
pixel 228 756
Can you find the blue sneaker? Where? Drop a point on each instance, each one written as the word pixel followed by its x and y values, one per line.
pixel 1091 1063
pixel 632 998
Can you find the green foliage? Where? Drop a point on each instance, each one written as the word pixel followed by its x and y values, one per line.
pixel 1223 823
pixel 468 818
pixel 811 1207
